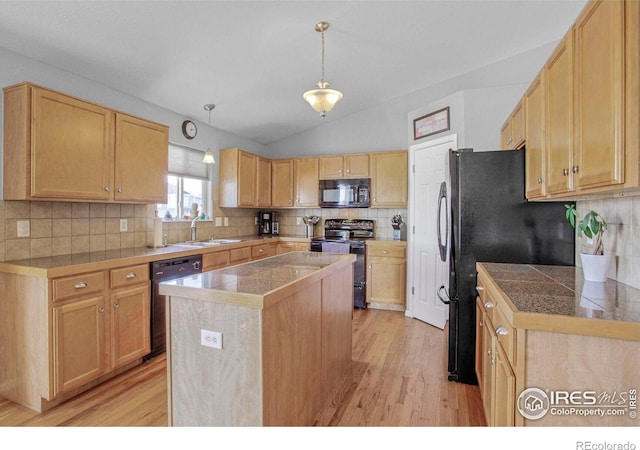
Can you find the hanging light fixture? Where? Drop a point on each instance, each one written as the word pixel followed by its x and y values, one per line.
pixel 208 155
pixel 322 99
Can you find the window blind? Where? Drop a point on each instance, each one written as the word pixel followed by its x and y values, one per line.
pixel 187 162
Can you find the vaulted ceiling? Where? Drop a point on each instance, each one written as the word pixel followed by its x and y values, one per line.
pixel 254 59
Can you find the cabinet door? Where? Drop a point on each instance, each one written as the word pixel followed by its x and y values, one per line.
pixel 518 125
pixel 386 278
pixel 263 184
pixel 504 391
pixel 306 182
pixel 78 343
pixel 357 166
pixel 479 343
pixel 72 145
pixel 141 161
pixel 130 324
pixel 282 183
pixel 488 363
pixel 247 171
pixel 505 135
pixel 331 167
pixel 534 153
pixel 599 95
pixel 559 118
pixel 389 179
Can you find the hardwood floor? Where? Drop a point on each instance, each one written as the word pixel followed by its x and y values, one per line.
pixel 398 378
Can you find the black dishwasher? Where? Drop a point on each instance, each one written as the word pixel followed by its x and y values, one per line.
pixel 167 269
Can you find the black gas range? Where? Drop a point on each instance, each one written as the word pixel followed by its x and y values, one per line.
pixel 350 236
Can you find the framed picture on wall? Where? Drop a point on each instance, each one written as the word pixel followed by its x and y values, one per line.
pixel 432 123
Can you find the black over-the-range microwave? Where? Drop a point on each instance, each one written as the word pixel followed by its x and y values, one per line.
pixel 346 193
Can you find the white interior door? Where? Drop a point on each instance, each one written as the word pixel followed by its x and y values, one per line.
pixel 427 271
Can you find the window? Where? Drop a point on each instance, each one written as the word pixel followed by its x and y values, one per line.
pixel 187 183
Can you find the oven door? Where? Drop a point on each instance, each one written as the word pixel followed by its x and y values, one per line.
pixel 359 281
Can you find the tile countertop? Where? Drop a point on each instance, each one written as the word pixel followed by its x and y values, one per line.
pixel 557 298
pixel 63 265
pixel 260 283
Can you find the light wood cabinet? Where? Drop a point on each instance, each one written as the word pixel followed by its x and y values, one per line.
pixel 386 274
pixel 282 183
pixel 599 95
pixel 295 183
pixel 306 182
pixel 496 377
pixel 512 133
pixel 93 336
pixel 263 183
pixel 215 260
pixel 534 154
pixel 58 147
pixel 238 175
pixel 79 342
pixel 344 166
pixel 389 179
pixel 559 82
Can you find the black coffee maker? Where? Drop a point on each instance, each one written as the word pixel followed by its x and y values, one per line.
pixel 268 223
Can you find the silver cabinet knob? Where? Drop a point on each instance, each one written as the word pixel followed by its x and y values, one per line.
pixel 479 288
pixel 81 285
pixel 488 305
pixel 565 172
pixel 120 189
pixel 539 180
pixel 116 305
pixel 575 169
pixel 131 275
pixel 101 309
pixel 501 331
pixel 107 188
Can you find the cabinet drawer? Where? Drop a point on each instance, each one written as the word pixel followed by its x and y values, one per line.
pixel 488 302
pixel 386 251
pixel 127 276
pixel 211 261
pixel 238 255
pixel 505 334
pixel 75 285
pixel 260 251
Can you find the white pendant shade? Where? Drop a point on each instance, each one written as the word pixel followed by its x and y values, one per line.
pixel 322 99
pixel 208 158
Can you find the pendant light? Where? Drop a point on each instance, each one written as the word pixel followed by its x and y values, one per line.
pixel 322 99
pixel 208 155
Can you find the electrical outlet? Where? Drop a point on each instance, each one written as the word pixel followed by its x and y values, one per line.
pixel 218 221
pixel 298 220
pixel 256 221
pixel 123 225
pixel 23 228
pixel 226 221
pixel 211 339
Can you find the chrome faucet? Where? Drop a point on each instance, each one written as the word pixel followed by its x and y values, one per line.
pixel 193 229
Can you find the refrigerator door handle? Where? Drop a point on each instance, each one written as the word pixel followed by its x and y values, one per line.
pixel 442 246
pixel 447 300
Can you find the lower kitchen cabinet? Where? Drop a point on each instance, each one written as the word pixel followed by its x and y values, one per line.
pixel 78 343
pixel 386 274
pixel 130 324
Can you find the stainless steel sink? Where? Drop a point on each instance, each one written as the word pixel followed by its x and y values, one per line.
pixel 211 243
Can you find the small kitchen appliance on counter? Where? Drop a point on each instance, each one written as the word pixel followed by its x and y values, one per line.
pixel 399 228
pixel 350 235
pixel 310 222
pixel 268 223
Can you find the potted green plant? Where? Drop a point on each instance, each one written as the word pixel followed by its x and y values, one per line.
pixel 596 264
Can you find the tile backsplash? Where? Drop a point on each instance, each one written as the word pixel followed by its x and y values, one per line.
pixel 61 228
pixel 622 237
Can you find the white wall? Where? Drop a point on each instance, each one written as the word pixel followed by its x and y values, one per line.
pixel 385 126
pixel 15 68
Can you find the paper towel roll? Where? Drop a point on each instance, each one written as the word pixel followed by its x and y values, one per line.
pixel 157 232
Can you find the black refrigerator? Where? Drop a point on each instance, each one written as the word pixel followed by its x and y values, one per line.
pixel 491 221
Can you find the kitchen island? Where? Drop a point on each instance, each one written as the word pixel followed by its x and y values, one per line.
pixel 555 350
pixel 284 327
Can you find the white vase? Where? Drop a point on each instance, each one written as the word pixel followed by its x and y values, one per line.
pixel 595 267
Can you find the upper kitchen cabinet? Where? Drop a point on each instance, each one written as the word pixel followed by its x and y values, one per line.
pixel 295 183
pixel 512 134
pixel 245 179
pixel 282 183
pixel 306 182
pixel 534 154
pixel 344 166
pixel 141 147
pixel 599 95
pixel 389 179
pixel 558 121
pixel 58 147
